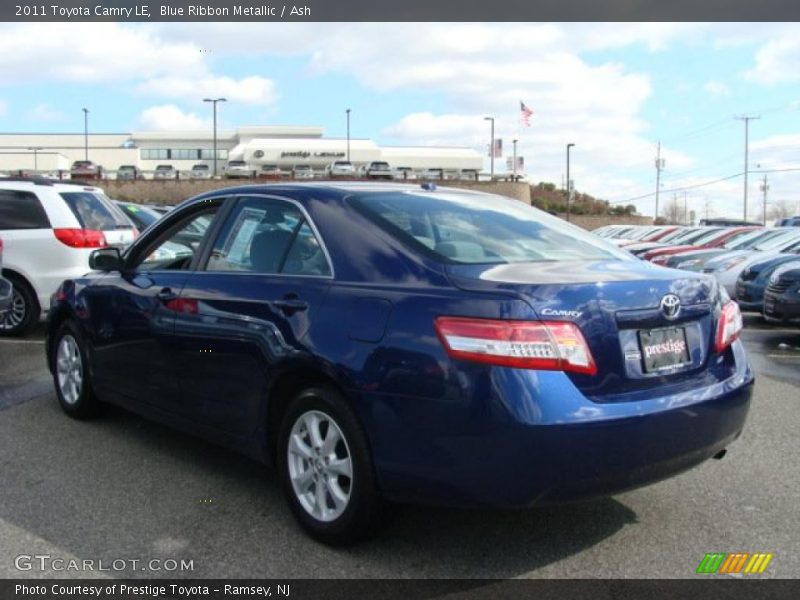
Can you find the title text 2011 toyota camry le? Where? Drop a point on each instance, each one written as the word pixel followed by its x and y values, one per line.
pixel 411 344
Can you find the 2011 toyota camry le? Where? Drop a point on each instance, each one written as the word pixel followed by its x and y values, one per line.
pixel 384 343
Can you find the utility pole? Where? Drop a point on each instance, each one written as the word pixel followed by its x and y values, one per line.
pixel 764 190
pixel 685 210
pixel 515 159
pixel 746 120
pixel 491 149
pixel 660 162
pixel 569 181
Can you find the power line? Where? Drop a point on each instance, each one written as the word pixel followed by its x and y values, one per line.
pixel 679 189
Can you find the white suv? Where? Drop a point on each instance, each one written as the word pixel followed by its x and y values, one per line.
pixel 49 229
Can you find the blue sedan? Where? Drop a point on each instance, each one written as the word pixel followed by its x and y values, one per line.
pixel 380 342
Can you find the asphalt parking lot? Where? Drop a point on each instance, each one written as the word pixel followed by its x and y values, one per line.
pixel 123 488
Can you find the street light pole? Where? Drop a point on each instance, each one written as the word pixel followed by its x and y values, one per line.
pixel 765 189
pixel 569 182
pixel 348 134
pixel 35 150
pixel 214 103
pixel 85 133
pixel 491 149
pixel 515 159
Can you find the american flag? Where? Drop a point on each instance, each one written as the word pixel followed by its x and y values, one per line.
pixel 525 114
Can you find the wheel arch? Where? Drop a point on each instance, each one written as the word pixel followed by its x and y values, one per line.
pixel 289 382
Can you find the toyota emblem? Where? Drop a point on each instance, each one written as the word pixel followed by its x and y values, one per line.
pixel 671 306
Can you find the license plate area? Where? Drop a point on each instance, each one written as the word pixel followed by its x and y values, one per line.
pixel 663 349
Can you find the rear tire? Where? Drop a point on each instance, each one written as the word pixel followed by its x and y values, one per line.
pixel 24 312
pixel 326 469
pixel 71 374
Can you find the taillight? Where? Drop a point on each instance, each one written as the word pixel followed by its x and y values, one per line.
pixel 545 345
pixel 81 238
pixel 729 326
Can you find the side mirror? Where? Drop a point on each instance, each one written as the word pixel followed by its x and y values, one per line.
pixel 105 259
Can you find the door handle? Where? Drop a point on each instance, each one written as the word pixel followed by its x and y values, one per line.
pixel 290 305
pixel 166 294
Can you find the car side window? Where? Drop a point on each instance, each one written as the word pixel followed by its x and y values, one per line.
pixel 177 247
pixel 270 237
pixel 21 210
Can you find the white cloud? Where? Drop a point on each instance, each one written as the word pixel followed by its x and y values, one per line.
pixel 248 90
pixel 716 89
pixel 92 52
pixel 43 112
pixel 3 108
pixel 776 62
pixel 171 118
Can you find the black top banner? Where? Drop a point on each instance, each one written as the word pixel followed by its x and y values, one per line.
pixel 401 10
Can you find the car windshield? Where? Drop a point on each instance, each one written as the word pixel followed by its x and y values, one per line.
pixel 127 168
pixel 709 237
pixel 94 211
pixel 741 237
pixel 164 168
pixel 342 163
pixel 236 163
pixel 780 240
pixel 480 229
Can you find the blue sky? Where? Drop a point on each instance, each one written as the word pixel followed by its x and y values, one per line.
pixel 612 89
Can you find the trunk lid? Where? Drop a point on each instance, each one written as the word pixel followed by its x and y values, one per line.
pixel 614 303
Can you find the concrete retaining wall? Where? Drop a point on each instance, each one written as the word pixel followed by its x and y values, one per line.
pixel 174 192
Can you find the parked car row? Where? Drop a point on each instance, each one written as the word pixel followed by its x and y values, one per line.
pixel 86 170
pixel 757 266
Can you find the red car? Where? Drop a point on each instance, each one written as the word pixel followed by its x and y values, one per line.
pixel 85 169
pixel 714 239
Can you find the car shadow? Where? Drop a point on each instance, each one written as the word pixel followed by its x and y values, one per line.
pixel 121 486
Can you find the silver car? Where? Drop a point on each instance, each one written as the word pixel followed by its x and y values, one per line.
pixel 340 168
pixel 165 172
pixel 236 169
pixel 200 171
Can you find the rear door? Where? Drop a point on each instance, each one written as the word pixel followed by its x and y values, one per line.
pixel 94 211
pixel 247 309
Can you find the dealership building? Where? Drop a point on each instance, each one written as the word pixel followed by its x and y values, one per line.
pixel 285 146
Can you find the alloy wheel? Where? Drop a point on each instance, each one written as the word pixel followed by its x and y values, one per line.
pixel 320 465
pixel 69 368
pixel 16 313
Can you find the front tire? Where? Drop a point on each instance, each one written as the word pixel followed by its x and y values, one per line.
pixel 71 374
pixel 326 468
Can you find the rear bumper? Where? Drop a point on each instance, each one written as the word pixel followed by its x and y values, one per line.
pixel 549 445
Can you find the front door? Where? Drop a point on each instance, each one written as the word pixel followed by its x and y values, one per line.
pixel 133 313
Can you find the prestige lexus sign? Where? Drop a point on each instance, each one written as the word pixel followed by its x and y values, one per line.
pixel 306 154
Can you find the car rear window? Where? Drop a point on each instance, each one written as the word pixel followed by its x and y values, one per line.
pixel 94 212
pixel 464 228
pixel 21 210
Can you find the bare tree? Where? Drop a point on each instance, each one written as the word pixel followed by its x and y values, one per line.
pixel 673 213
pixel 779 209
